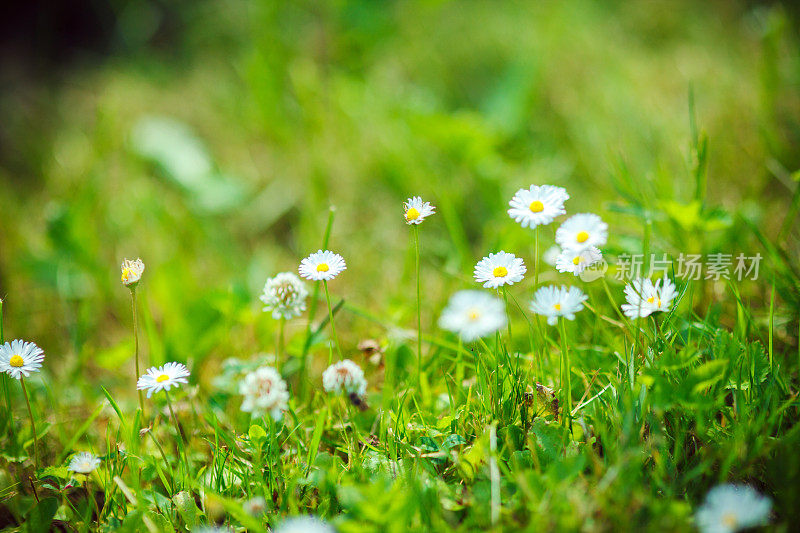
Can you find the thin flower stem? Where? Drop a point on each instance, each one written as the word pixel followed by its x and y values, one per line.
pixel 333 327
pixel 33 424
pixel 89 496
pixel 163 457
pixel 5 381
pixel 419 306
pixel 535 258
pixel 567 372
pixel 181 447
pixel 280 344
pixel 136 345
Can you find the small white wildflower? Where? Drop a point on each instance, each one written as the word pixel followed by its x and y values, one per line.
pixel 538 205
pixel 416 210
pixel 322 265
pixel 473 314
pixel 582 231
pixel 730 508
pixel 132 272
pixel 304 524
pixel 576 261
pixel 285 295
pixel 344 376
pixel 554 302
pixel 551 255
pixel 19 358
pixel 84 463
pixel 255 506
pixel 645 298
pixel 499 269
pixel 163 378
pixel 264 391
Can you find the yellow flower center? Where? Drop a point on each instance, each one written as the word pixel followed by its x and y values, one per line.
pixel 582 236
pixel 474 315
pixel 126 274
pixel 412 214
pixel 500 271
pixel 730 520
pixel 576 260
pixel 557 307
pixel 323 267
pixel 162 378
pixel 16 361
pixel 651 300
pixel 536 206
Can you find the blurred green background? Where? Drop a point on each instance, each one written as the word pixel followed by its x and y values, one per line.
pixel 210 139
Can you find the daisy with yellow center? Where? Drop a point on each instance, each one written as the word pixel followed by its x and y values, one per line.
pixel 643 297
pixel 19 359
pixel 322 265
pixel 575 261
pixel 499 269
pixel 582 231
pixel 163 378
pixel 132 272
pixel 473 314
pixel 537 205
pixel 555 302
pixel 416 210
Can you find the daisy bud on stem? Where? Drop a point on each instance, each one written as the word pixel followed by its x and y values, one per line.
pixel 131 274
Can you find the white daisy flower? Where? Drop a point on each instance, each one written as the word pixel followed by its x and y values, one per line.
pixel 84 463
pixel 575 260
pixel 645 297
pixel 285 295
pixel 550 256
pixel 132 272
pixel 538 205
pixel 473 314
pixel 582 231
pixel 344 376
pixel 730 508
pixel 163 378
pixel 304 524
pixel 322 265
pixel 554 302
pixel 499 269
pixel 255 506
pixel 416 210
pixel 264 391
pixel 19 358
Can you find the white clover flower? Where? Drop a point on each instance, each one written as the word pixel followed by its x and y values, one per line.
pixel 473 314
pixel 322 265
pixel 255 506
pixel 285 295
pixel 416 210
pixel 575 261
pixel 84 463
pixel 550 256
pixel 304 524
pixel 538 205
pixel 344 376
pixel 162 378
pixel 730 508
pixel 264 391
pixel 19 358
pixel 582 231
pixel 499 269
pixel 554 302
pixel 132 272
pixel 645 298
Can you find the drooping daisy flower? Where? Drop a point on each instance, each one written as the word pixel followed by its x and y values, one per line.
pixel 582 231
pixel 304 524
pixel 264 391
pixel 730 508
pixel 19 358
pixel 132 272
pixel 344 376
pixel 163 378
pixel 322 265
pixel 499 269
pixel 576 261
pixel 554 302
pixel 84 463
pixel 416 210
pixel 285 295
pixel 473 314
pixel 645 298
pixel 538 205
pixel 255 506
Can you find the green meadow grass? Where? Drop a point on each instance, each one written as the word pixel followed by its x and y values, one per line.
pixel 261 132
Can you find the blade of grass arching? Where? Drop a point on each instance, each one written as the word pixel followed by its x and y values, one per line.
pixel 79 433
pixel 114 406
pixel 313 448
pixel 771 321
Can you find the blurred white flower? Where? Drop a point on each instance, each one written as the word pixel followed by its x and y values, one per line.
pixel 19 358
pixel 538 205
pixel 84 463
pixel 554 302
pixel 576 261
pixel 255 506
pixel 645 298
pixel 416 210
pixel 322 265
pixel 730 508
pixel 132 272
pixel 163 378
pixel 582 231
pixel 264 391
pixel 285 295
pixel 551 255
pixel 499 269
pixel 473 314
pixel 304 524
pixel 344 376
